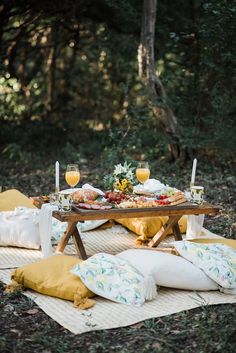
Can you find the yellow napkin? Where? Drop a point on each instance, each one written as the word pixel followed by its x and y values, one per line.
pixel 13 198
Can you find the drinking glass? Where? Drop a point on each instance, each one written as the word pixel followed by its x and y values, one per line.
pixel 72 175
pixel 142 172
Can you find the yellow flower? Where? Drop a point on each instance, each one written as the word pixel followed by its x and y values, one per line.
pixel 117 185
pixel 124 183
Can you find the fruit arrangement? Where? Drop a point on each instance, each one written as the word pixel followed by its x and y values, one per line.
pixel 116 197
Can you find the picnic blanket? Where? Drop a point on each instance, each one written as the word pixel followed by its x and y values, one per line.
pixel 107 314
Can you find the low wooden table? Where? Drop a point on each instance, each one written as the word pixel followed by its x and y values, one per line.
pixel 79 215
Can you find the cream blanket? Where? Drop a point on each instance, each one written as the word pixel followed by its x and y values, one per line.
pixel 106 314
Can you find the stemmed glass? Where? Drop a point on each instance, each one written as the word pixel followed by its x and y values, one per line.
pixel 72 175
pixel 142 172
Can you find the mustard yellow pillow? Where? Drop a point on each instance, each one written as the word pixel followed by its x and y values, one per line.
pixel 13 198
pixel 52 277
pixel 149 226
pixel 229 242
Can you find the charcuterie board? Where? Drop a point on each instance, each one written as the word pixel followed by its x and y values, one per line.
pixel 132 212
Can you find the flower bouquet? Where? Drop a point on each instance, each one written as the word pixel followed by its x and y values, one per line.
pixel 121 179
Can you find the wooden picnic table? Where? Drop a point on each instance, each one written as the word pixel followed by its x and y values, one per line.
pixel 79 215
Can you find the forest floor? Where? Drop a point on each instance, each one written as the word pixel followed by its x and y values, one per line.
pixel 24 327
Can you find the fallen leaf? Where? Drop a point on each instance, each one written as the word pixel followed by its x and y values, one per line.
pixel 156 345
pixel 139 325
pixel 32 311
pixel 18 332
pixel 8 308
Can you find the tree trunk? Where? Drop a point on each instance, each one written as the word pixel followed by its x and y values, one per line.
pixel 148 74
pixel 51 64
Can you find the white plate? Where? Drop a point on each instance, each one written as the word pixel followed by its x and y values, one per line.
pixel 140 190
pixel 69 191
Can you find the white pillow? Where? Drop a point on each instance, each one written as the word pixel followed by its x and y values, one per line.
pixel 89 225
pixel 20 228
pixel 115 279
pixel 168 270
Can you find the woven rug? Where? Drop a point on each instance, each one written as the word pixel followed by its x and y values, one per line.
pixel 112 241
pixel 106 314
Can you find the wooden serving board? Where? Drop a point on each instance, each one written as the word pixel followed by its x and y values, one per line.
pixel 115 210
pixel 79 214
pixel 116 213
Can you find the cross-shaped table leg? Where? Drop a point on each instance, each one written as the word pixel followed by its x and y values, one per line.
pixel 72 230
pixel 163 232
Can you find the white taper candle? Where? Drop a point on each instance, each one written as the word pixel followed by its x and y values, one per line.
pixel 194 171
pixel 57 176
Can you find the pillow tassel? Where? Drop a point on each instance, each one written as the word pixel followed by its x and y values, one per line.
pixel 149 288
pixel 142 239
pixel 231 291
pixel 13 287
pixel 83 303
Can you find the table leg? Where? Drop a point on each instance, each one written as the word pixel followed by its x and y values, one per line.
pixel 71 230
pixel 79 244
pixel 176 231
pixel 163 232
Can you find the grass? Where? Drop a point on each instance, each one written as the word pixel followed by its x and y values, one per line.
pixel 205 329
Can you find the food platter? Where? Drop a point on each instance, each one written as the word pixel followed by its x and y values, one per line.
pixel 118 201
pixel 116 213
pixel 87 200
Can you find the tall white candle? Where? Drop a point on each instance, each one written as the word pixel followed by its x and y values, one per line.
pixel 57 176
pixel 194 171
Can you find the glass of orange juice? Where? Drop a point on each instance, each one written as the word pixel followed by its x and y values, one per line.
pixel 142 172
pixel 72 175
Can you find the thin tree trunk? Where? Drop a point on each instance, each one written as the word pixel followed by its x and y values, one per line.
pixel 148 74
pixel 51 62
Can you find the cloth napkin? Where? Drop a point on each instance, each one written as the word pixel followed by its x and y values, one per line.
pixel 90 187
pixel 150 186
pixel 45 228
pixel 85 186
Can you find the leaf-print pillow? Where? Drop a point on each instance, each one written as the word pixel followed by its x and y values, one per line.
pixel 58 228
pixel 218 261
pixel 112 278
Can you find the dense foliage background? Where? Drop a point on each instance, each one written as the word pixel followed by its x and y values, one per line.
pixel 70 91
pixel 69 86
